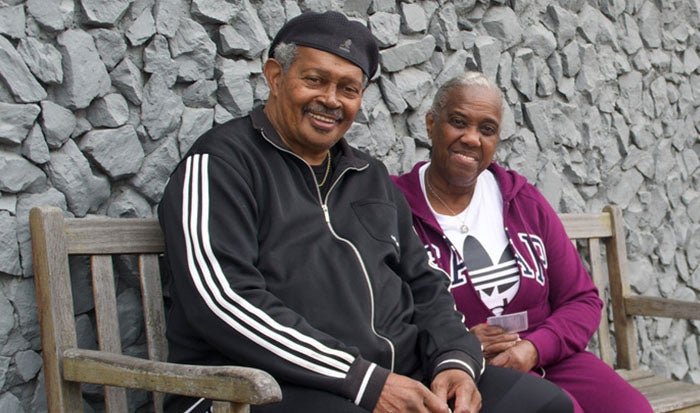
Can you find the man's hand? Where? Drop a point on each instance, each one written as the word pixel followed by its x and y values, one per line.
pixel 494 339
pixel 459 386
pixel 403 394
pixel 523 356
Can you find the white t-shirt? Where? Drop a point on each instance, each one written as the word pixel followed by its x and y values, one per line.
pixel 485 249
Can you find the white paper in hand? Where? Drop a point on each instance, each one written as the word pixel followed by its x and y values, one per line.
pixel 511 323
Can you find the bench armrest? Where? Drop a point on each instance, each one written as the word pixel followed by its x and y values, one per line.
pixel 229 383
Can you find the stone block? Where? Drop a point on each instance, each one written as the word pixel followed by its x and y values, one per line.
pixel 57 123
pixel 84 75
pixel 487 51
pixel 249 26
pixel 385 28
pixel 24 301
pixel 413 85
pixel 155 170
pixel 128 79
pixel 27 364
pixel 110 45
pixel 272 14
pixel 407 53
pixel 392 95
pixel 7 323
pixel 234 91
pixel 17 76
pixel 562 23
pixel 200 94
pixel 104 12
pixel 161 108
pixel 9 256
pixel 167 16
pixel 110 111
pixel 42 59
pixel 142 29
pixel 12 20
pixel 18 174
pixel 129 204
pixel 52 15
pixel 69 172
pixel 413 18
pixel 502 23
pixel 25 202
pixel 444 28
pixel 214 11
pixel 540 40
pixel 8 401
pixel 118 152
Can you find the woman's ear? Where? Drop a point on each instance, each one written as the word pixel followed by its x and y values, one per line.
pixel 429 122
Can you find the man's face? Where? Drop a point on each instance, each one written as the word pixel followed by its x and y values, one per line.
pixel 465 134
pixel 314 103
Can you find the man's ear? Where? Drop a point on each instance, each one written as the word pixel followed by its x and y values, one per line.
pixel 272 70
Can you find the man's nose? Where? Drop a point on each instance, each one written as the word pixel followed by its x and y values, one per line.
pixel 330 96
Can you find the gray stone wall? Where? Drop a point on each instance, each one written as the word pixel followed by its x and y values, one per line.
pixel 99 99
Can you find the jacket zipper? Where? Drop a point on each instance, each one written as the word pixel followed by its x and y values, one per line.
pixel 327 217
pixel 326 213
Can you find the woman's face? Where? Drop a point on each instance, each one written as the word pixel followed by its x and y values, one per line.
pixel 465 134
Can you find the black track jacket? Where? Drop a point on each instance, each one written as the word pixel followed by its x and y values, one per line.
pixel 328 293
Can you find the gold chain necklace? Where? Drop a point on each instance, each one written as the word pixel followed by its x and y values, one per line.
pixel 463 228
pixel 328 169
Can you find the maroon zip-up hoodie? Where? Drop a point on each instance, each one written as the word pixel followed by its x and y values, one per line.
pixel 562 302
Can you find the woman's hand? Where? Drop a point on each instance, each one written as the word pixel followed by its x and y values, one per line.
pixel 523 356
pixel 494 339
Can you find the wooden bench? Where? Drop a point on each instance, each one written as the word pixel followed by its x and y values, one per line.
pixel 55 238
pixel 609 269
pixel 66 366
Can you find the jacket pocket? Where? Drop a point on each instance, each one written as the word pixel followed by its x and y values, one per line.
pixel 379 219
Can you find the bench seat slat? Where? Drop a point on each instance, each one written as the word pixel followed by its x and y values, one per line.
pixel 668 395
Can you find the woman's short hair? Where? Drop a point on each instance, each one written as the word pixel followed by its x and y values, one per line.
pixel 466 79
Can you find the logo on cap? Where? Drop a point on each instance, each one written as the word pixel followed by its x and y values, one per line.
pixel 345 46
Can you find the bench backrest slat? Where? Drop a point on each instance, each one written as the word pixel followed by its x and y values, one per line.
pixel 104 293
pixel 89 236
pixel 590 229
pixel 600 280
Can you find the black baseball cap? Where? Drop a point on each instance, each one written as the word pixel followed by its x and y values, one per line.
pixel 332 32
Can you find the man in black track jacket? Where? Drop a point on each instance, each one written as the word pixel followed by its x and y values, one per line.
pixel 292 252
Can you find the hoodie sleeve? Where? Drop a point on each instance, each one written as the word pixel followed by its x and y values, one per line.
pixel 573 297
pixel 208 214
pixel 445 340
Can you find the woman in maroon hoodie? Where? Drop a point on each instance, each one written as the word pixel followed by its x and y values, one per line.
pixel 507 253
